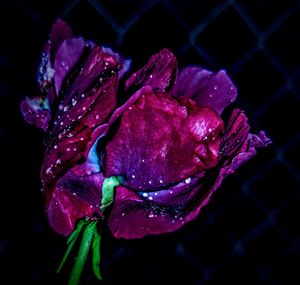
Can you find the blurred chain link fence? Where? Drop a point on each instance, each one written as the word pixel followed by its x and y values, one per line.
pixel 250 231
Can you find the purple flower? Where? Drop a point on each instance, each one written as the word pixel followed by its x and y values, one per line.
pixel 166 142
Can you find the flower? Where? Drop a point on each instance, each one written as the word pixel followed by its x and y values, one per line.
pixel 158 130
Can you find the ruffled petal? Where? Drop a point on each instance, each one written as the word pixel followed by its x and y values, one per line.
pixel 133 217
pixel 60 32
pixel 66 57
pixel 136 214
pixel 160 72
pixel 214 90
pixel 162 141
pixel 36 112
pixel 76 195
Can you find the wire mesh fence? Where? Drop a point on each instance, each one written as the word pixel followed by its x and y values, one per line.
pixel 250 231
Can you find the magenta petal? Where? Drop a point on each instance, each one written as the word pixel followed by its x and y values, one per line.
pixel 92 95
pixel 187 142
pixel 76 195
pixel 160 72
pixel 36 112
pixel 59 33
pixel 214 90
pixel 131 217
pixel 136 214
pixel 124 62
pixel 66 57
pixel 236 138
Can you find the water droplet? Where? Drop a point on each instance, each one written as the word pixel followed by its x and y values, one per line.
pixel 150 182
pixel 171 192
pixel 150 198
pixel 215 87
pixel 188 180
pixel 82 95
pixel 150 76
pixel 81 139
pixel 49 170
pixel 155 193
pixel 91 206
pixel 75 149
pixel 231 88
pixel 61 123
pixel 210 130
pixel 68 149
pixel 151 215
pixel 58 161
pixel 74 193
pixel 106 63
pixel 210 95
pixel 161 181
pixel 97 117
pixel 143 160
pixel 55 147
pixel 133 176
pixel 123 214
pixel 83 108
pixel 145 194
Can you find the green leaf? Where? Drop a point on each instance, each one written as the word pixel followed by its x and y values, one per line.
pixel 71 242
pixel 85 244
pixel 96 254
pixel 108 191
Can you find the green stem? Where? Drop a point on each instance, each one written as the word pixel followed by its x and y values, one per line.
pixel 97 254
pixel 84 248
pixel 71 242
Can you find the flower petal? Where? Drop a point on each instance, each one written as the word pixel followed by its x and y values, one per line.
pixel 124 62
pixel 237 144
pixel 132 217
pixel 135 214
pixel 214 90
pixel 76 195
pixel 160 72
pixel 66 57
pixel 60 32
pixel 187 142
pixel 36 112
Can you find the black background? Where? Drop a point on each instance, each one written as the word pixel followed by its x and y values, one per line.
pixel 249 234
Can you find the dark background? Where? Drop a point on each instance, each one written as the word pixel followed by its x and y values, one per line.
pixel 249 233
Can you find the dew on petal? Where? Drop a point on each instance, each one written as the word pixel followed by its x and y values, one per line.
pixel 188 180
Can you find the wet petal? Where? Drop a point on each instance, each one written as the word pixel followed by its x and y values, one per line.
pixel 162 139
pixel 92 95
pixel 76 195
pixel 124 62
pixel 67 56
pixel 214 90
pixel 237 138
pixel 36 112
pixel 159 73
pixel 59 33
pixel 132 217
